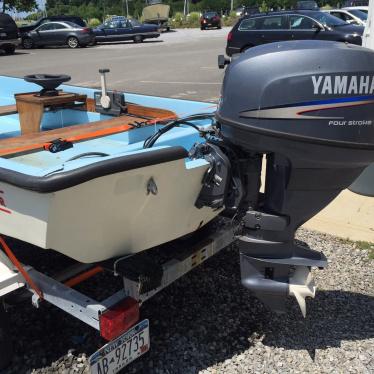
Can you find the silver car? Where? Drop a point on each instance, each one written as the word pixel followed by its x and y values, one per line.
pixel 351 16
pixel 59 33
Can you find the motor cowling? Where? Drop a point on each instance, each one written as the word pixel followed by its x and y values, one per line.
pixel 312 92
pixel 307 106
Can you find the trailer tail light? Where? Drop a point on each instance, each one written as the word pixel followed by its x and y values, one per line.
pixel 118 319
pixel 229 36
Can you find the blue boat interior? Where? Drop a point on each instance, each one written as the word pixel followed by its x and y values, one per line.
pixel 44 163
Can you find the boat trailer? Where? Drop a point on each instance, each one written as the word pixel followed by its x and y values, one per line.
pixel 144 275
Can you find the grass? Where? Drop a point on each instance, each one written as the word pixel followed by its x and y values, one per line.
pixel 365 246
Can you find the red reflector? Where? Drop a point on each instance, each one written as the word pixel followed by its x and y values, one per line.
pixel 118 319
pixel 229 36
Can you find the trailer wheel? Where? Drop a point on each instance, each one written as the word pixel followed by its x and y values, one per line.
pixel 6 350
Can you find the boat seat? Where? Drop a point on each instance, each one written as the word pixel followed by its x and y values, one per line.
pixel 6 110
pixel 36 141
pixel 31 107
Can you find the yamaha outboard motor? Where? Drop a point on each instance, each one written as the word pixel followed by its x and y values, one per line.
pixel 307 106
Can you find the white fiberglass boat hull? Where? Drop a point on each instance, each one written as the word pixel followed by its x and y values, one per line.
pixel 109 216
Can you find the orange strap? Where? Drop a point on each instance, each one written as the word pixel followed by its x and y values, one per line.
pixel 19 266
pixel 98 133
pixel 83 276
pixel 76 138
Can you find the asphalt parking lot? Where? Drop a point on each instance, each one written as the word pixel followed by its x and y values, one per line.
pixel 179 64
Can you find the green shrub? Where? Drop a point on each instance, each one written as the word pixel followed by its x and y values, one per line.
pixel 230 20
pixel 94 22
pixel 178 20
pixel 193 19
pixel 264 7
pixel 34 16
pixel 179 17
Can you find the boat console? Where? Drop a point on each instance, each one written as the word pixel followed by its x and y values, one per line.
pixel 48 82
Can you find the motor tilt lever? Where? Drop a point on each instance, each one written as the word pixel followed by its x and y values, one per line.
pixel 105 99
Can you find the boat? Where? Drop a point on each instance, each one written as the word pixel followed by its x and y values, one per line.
pixel 157 13
pixel 99 175
pixel 105 196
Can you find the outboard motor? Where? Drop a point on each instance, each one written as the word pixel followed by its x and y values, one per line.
pixel 307 106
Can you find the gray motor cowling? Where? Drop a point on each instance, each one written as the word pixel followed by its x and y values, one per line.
pixel 309 107
pixel 310 92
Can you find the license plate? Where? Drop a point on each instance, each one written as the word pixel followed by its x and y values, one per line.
pixel 118 353
pixel 3 34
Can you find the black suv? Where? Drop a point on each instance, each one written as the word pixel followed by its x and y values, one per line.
pixel 74 19
pixel 9 35
pixel 290 25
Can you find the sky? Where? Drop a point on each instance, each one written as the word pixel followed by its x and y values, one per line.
pixel 41 3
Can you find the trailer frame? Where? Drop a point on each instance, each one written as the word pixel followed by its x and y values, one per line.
pixel 184 259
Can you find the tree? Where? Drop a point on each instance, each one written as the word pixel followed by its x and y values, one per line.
pixel 19 5
pixel 99 8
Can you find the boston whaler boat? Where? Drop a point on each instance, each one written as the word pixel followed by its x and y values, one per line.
pixel 99 175
pixel 83 183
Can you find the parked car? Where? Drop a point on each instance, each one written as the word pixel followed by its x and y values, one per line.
pixel 121 28
pixel 59 33
pixel 364 9
pixel 210 19
pixel 306 5
pixel 239 11
pixel 74 19
pixel 9 35
pixel 355 3
pixel 352 16
pixel 290 25
pixel 249 10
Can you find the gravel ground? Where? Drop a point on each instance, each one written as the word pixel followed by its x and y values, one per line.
pixel 207 323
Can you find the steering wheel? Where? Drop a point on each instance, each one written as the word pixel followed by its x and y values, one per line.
pixel 49 82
